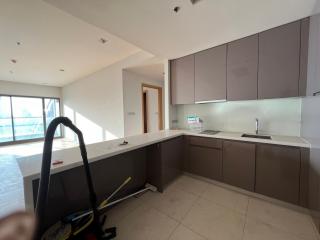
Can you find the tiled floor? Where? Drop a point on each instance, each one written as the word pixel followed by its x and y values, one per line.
pixel 191 209
pixel 11 185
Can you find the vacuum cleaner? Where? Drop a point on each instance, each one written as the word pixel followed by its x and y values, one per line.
pixel 87 224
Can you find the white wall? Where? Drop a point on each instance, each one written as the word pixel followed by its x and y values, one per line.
pixel 132 100
pixel 276 116
pixel 95 103
pixel 12 88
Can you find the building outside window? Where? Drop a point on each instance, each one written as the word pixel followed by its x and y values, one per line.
pixel 26 118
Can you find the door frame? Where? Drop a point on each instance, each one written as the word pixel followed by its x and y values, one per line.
pixel 160 107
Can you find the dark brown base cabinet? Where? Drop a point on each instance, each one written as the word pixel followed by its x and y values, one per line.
pixel 278 172
pixel 239 164
pixel 204 157
pixel 164 162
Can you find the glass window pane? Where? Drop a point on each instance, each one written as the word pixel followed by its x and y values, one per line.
pixel 6 134
pixel 27 118
pixel 52 110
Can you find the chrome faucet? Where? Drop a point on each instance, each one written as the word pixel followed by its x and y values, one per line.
pixel 257 126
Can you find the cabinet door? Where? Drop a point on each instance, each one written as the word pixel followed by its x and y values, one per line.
pixel 279 62
pixel 205 162
pixel 278 172
pixel 171 159
pixel 182 80
pixel 242 69
pixel 210 74
pixel 239 164
pixel 304 56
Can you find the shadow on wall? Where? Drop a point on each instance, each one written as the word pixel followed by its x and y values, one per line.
pixel 92 132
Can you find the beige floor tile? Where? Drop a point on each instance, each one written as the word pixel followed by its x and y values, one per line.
pixel 282 218
pixel 190 185
pixel 117 213
pixel 215 222
pixel 173 202
pixel 258 230
pixel 183 233
pixel 146 223
pixel 227 198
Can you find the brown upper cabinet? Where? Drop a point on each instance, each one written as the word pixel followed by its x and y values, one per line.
pixel 182 80
pixel 242 69
pixel 305 27
pixel 210 74
pixel 279 62
pixel 271 64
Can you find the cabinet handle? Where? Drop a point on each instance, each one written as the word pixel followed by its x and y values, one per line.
pixel 316 93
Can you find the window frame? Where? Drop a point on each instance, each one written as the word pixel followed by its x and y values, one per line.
pixel 43 116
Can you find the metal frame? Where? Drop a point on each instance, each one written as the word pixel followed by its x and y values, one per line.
pixel 43 116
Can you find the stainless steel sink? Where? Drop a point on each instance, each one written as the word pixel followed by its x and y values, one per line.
pixel 209 132
pixel 256 136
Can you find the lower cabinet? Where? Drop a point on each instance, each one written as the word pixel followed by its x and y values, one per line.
pixel 278 172
pixel 171 159
pixel 205 158
pixel 164 162
pixel 239 164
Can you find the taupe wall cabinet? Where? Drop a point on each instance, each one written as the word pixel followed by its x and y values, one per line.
pixel 182 80
pixel 210 74
pixel 242 68
pixel 270 64
pixel 279 62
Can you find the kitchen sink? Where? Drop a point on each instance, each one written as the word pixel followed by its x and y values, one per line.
pixel 256 136
pixel 209 132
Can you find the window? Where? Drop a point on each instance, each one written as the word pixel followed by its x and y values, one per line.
pixel 52 110
pixel 6 134
pixel 26 118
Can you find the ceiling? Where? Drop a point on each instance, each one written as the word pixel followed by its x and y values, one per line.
pixel 152 71
pixel 153 26
pixel 52 40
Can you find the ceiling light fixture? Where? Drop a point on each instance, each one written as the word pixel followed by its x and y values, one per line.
pixel 176 9
pixel 103 40
pixel 194 1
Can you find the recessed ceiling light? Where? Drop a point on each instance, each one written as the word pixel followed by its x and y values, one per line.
pixel 176 9
pixel 103 40
pixel 61 70
pixel 13 60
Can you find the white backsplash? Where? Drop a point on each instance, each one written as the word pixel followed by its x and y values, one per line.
pixel 276 116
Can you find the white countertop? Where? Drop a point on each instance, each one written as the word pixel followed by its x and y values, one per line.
pixel 30 166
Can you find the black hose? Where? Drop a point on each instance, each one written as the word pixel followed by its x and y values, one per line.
pixel 45 176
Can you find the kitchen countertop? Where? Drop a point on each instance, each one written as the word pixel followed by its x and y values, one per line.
pixel 30 166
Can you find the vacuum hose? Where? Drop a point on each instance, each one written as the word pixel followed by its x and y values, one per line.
pixel 45 176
